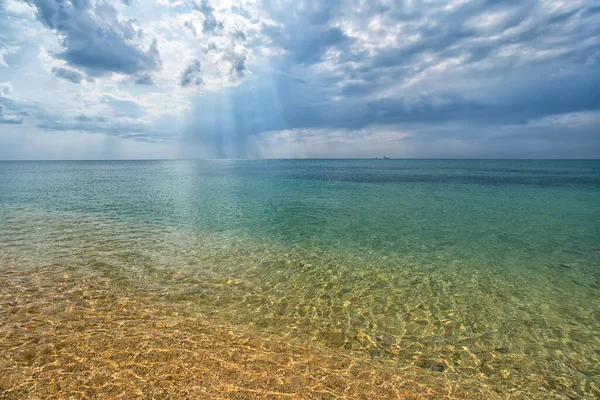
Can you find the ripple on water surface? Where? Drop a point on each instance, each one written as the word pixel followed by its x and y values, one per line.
pixel 494 282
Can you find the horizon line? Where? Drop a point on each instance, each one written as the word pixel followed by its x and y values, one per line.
pixel 299 158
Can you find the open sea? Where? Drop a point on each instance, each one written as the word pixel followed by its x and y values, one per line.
pixel 483 269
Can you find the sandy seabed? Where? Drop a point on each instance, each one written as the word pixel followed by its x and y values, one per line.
pixel 69 337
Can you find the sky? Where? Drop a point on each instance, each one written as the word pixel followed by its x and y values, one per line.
pixel 129 79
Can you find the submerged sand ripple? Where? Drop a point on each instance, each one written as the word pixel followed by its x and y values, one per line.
pixel 63 336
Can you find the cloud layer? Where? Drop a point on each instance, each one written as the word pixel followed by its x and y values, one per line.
pixel 343 78
pixel 94 38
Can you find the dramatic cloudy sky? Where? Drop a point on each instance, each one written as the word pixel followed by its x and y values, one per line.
pixel 293 78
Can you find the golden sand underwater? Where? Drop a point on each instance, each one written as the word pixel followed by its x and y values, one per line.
pixel 64 336
pixel 92 341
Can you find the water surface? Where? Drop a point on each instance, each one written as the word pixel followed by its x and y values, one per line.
pixel 489 268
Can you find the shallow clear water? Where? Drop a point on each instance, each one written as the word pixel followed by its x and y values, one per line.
pixel 491 268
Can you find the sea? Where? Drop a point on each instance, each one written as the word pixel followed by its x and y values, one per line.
pixel 488 268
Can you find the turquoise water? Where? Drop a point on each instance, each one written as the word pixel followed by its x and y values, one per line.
pixel 491 268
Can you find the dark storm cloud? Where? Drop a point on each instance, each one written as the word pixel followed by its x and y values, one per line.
pixel 191 75
pixel 68 74
pixel 443 35
pixel 238 63
pixel 83 118
pixel 9 118
pixel 468 73
pixel 12 111
pixel 94 39
pixel 124 107
pixel 144 79
pixel 317 35
pixel 210 24
pixel 117 126
pixel 516 61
